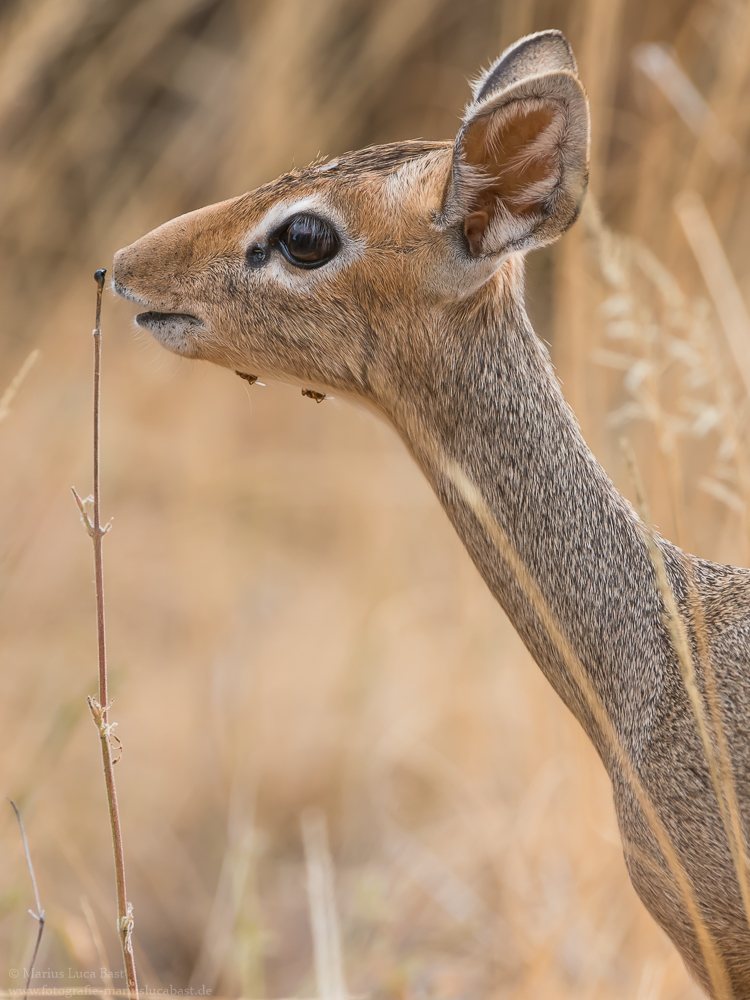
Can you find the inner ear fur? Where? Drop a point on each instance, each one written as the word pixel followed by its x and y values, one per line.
pixel 520 165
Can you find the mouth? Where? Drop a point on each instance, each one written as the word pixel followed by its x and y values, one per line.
pixel 159 321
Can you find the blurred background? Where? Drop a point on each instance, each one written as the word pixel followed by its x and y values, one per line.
pixel 292 623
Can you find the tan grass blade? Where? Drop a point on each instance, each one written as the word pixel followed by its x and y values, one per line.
pixel 35 37
pixel 659 64
pixel 96 937
pixel 717 273
pixel 218 935
pixel 10 393
pixel 598 67
pixel 329 968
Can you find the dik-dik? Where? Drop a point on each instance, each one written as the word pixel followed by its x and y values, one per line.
pixel 394 276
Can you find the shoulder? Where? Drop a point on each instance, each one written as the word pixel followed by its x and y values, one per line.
pixel 725 595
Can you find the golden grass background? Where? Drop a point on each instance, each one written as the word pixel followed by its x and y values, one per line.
pixel 291 620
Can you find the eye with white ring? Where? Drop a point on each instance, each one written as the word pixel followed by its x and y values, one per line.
pixel 307 241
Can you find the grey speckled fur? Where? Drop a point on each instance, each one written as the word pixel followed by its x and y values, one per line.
pixel 504 420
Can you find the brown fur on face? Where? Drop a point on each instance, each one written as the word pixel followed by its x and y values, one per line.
pixel 196 265
pixel 419 315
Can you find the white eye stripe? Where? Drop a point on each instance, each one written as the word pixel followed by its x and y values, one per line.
pixel 279 269
pixel 283 212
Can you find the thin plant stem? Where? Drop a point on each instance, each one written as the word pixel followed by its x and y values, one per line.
pixel 90 509
pixel 39 915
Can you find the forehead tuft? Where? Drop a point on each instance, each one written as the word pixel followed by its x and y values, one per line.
pixel 380 159
pixel 384 159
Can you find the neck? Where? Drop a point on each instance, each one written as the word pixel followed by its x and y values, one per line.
pixel 488 401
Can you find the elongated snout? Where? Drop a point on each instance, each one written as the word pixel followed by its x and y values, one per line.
pixel 165 273
pixel 153 271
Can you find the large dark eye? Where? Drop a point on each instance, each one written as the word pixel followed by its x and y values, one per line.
pixel 308 241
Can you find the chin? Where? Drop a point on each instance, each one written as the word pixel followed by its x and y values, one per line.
pixel 178 332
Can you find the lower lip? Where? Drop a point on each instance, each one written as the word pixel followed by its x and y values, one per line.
pixel 155 320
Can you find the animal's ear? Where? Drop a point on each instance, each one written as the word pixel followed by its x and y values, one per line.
pixel 520 162
pixel 544 52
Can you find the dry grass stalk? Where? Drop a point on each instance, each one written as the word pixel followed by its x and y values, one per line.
pixel 96 937
pixel 39 915
pixel 648 312
pixel 221 940
pixel 90 510
pixel 624 263
pixel 10 393
pixel 658 62
pixel 329 967
pixel 717 273
pixel 729 481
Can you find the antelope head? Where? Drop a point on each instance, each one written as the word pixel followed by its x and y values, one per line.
pixel 347 274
